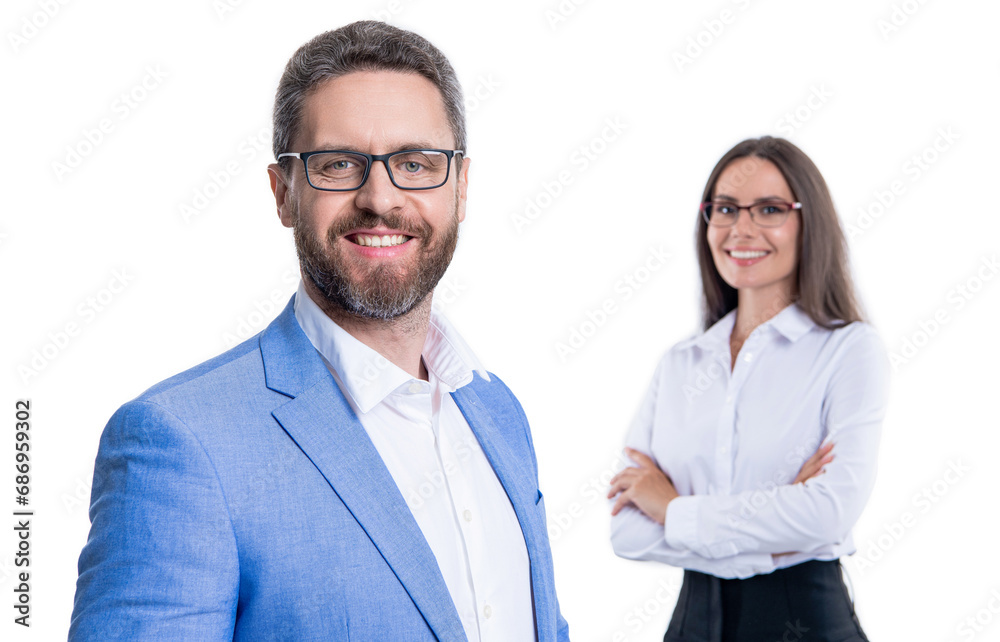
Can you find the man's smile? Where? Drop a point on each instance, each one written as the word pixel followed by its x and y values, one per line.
pixel 375 240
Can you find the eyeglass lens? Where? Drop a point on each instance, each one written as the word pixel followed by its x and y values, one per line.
pixel 765 214
pixel 409 170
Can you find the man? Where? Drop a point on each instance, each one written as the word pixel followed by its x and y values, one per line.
pixel 352 472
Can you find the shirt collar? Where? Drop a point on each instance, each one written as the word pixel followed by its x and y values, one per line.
pixel 717 337
pixel 366 376
pixel 792 323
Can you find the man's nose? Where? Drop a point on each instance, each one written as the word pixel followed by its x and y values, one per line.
pixel 378 194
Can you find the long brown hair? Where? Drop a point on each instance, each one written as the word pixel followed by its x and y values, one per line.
pixel 825 289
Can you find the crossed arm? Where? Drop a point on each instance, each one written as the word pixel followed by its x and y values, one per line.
pixel 650 490
pixel 814 511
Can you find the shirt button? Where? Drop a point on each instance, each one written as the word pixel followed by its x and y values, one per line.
pixel 487 611
pixel 467 515
pixel 415 387
pixel 729 399
pixel 749 357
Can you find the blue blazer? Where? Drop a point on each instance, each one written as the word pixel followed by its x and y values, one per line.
pixel 243 500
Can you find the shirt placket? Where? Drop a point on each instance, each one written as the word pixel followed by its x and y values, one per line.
pixel 726 439
pixel 470 520
pixel 452 486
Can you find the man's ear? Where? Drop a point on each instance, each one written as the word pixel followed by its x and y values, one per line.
pixel 282 194
pixel 462 187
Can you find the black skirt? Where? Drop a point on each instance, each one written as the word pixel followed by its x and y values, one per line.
pixel 802 603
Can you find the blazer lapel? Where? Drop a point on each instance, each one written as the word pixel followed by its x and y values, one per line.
pixel 322 423
pixel 515 474
pixel 518 478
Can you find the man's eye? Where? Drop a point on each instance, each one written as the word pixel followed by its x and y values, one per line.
pixel 336 165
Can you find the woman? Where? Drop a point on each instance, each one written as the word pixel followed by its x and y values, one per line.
pixel 757 440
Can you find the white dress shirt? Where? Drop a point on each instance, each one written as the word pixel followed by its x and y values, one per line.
pixel 441 471
pixel 732 442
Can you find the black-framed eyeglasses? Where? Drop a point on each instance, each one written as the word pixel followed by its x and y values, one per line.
pixel 344 171
pixel 764 213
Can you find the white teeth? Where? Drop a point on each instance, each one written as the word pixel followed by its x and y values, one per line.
pixel 737 254
pixel 385 240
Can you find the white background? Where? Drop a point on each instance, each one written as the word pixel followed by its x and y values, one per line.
pixel 545 88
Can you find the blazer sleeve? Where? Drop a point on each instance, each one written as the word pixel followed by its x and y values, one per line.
pixel 161 560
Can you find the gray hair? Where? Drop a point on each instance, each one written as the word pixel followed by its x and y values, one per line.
pixel 366 45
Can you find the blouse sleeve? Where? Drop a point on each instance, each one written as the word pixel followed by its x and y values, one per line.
pixel 800 517
pixel 633 534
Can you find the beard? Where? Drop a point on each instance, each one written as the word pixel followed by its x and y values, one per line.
pixel 384 290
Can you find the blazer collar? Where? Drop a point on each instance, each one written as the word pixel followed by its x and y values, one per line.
pixel 291 364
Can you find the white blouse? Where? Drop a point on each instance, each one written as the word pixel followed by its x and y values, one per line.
pixel 733 442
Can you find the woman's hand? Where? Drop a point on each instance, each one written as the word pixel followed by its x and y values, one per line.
pixel 812 468
pixel 814 465
pixel 647 487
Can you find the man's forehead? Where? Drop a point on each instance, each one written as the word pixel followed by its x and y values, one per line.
pixel 367 108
